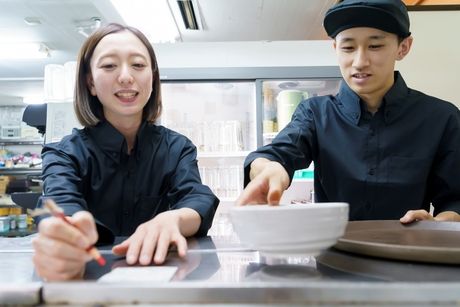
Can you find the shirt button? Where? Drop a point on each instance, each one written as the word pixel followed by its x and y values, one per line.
pixel 371 171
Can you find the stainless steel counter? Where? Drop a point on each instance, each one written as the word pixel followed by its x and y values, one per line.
pixel 218 270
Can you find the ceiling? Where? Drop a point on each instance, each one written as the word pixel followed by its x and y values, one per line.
pixel 222 20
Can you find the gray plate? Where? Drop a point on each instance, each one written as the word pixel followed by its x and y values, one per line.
pixel 423 241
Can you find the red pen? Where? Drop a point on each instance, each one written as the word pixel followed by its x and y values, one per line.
pixel 57 211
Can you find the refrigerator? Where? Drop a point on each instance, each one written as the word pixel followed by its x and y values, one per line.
pixel 229 112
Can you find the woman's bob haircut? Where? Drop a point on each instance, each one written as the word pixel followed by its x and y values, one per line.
pixel 88 107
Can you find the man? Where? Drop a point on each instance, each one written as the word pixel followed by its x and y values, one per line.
pixel 387 150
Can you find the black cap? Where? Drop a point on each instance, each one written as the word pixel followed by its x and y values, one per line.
pixel 386 15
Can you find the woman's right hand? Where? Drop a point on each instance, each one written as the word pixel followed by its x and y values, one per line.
pixel 269 179
pixel 60 248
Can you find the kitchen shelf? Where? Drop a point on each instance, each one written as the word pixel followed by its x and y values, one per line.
pixel 16 171
pixel 17 142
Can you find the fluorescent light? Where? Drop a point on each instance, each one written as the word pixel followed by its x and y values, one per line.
pixel 152 17
pixel 189 15
pixel 15 51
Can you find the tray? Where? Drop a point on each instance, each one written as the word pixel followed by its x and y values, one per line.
pixel 421 241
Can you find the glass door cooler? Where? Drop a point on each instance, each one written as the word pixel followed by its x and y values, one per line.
pixel 220 119
pixel 280 98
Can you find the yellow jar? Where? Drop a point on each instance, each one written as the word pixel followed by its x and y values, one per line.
pixel 4 210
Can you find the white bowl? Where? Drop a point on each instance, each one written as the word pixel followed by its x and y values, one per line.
pixel 304 229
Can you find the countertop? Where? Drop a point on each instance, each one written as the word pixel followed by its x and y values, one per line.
pixel 220 270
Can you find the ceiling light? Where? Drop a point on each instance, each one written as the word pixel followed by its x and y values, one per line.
pixel 87 27
pixel 153 18
pixel 32 21
pixel 23 51
pixel 189 15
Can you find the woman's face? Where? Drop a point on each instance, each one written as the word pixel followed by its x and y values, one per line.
pixel 121 76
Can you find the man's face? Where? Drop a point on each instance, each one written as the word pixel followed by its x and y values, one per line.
pixel 367 59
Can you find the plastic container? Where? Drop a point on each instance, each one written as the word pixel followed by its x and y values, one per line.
pixel 54 83
pixel 287 102
pixel 22 221
pixel 13 222
pixel 303 174
pixel 4 224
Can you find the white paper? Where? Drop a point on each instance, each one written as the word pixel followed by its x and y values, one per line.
pixel 139 274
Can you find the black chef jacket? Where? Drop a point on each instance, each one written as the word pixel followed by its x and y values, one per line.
pixel 91 170
pixel 405 156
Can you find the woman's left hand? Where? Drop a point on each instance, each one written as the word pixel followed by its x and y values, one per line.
pixel 151 239
pixel 416 215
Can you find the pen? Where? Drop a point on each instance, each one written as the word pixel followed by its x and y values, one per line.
pixel 52 208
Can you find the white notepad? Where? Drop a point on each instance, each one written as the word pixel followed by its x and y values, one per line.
pixel 139 274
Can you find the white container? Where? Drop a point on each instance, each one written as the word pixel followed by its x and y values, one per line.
pixel 4 223
pixel 70 71
pixel 54 83
pixel 22 221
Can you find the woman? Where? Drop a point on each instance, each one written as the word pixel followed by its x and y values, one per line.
pixel 120 175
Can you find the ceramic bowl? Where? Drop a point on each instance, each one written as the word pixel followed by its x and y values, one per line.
pixel 304 229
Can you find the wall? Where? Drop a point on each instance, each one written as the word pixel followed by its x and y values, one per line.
pixel 246 54
pixel 433 64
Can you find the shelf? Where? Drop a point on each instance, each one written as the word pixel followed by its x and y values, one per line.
pixel 227 199
pixel 270 135
pixel 62 100
pixel 17 142
pixel 302 180
pixel 20 171
pixel 218 154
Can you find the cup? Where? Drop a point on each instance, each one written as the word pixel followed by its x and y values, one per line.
pixel 233 136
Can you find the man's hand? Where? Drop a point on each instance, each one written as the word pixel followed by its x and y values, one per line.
pixel 417 215
pixel 269 179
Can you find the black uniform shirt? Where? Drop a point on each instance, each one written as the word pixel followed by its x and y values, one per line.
pixel 403 157
pixel 91 170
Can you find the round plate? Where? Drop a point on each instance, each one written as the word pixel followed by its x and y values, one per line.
pixel 423 241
